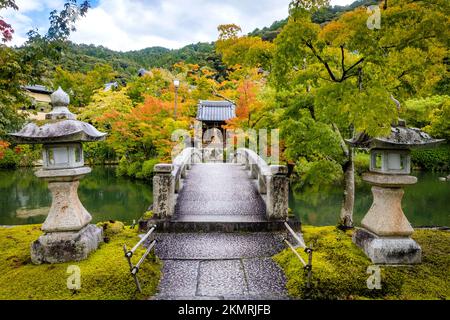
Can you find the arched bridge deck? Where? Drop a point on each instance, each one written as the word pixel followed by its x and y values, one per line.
pixel 219 192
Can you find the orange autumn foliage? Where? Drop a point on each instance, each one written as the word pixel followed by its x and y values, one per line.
pixel 247 105
pixel 147 129
pixel 3 146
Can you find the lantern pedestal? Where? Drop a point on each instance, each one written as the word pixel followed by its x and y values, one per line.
pixel 57 247
pixel 385 236
pixel 68 234
pixel 388 250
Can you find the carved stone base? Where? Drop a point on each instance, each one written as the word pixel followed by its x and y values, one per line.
pixel 385 217
pixel 66 212
pixel 388 250
pixel 58 247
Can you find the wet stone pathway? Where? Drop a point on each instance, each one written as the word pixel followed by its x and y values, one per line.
pixel 215 265
pixel 220 266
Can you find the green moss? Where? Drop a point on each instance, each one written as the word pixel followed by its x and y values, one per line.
pixel 148 215
pixel 111 228
pixel 104 275
pixel 340 268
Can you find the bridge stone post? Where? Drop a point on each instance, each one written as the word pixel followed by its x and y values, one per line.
pixel 277 202
pixel 163 191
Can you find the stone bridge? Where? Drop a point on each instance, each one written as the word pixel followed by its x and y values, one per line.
pixel 245 195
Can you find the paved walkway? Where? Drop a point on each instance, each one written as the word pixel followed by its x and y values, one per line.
pixel 215 265
pixel 220 266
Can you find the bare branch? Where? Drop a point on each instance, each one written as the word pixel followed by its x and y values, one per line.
pixel 313 50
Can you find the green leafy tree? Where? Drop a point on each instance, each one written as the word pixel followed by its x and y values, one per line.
pixel 440 121
pixel 343 77
pixel 105 109
pixel 13 75
pixel 247 50
pixel 28 65
pixel 81 86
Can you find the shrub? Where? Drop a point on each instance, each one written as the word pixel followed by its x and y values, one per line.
pixel 122 168
pixel 437 159
pixel 147 168
pixel 134 170
pixel 99 153
pixel 362 162
pixel 9 158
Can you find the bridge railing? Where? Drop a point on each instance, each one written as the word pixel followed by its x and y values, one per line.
pixel 167 181
pixel 272 182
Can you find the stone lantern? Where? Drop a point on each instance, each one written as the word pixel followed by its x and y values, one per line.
pixel 68 236
pixel 385 233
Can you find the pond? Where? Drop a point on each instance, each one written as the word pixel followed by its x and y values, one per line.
pixel 24 199
pixel 425 203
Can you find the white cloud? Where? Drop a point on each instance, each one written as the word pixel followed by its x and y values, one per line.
pixel 135 24
pixel 41 5
pixel 128 25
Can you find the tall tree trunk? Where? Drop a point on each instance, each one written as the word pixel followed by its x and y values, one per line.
pixel 346 217
pixel 348 202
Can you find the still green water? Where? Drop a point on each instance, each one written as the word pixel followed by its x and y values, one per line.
pixel 24 199
pixel 426 203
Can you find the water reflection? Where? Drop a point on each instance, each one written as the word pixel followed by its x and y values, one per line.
pixel 25 199
pixel 425 203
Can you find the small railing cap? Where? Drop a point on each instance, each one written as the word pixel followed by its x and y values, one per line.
pixel 163 168
pixel 278 169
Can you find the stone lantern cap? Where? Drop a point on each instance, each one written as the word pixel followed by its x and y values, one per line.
pixel 63 129
pixel 60 102
pixel 401 137
pixel 58 132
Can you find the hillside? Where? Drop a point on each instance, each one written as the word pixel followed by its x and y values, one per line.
pixel 82 57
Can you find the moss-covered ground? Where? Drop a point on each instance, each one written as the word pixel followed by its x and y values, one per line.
pixel 340 268
pixel 104 275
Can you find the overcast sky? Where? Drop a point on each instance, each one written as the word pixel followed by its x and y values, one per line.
pixel 136 24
